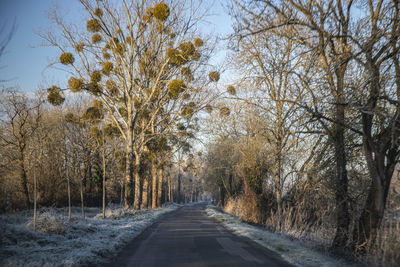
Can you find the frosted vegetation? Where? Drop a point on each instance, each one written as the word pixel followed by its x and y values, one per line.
pixel 76 242
pixel 295 252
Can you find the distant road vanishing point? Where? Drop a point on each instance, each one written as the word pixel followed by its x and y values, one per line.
pixel 188 237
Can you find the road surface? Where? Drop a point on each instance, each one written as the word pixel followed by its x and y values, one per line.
pixel 188 237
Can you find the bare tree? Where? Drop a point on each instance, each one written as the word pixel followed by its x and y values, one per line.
pixel 326 37
pixel 344 39
pixel 22 116
pixel 377 51
pixel 270 66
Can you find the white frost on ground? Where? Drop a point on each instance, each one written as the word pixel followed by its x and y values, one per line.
pixel 77 242
pixel 293 251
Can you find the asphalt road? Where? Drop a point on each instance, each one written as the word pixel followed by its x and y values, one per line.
pixel 188 237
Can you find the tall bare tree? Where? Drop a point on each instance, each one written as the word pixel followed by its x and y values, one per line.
pixel 377 51
pixel 270 66
pixel 326 37
pixel 21 115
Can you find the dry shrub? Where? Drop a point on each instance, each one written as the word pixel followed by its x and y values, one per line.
pixel 116 214
pixel 231 206
pixel 245 207
pixel 51 223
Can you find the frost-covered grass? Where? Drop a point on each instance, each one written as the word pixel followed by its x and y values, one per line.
pixel 293 251
pixel 76 242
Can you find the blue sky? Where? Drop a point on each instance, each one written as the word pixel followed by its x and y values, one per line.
pixel 24 62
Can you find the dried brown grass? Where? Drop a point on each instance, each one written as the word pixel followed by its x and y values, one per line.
pixel 244 207
pixel 318 227
pixel 386 251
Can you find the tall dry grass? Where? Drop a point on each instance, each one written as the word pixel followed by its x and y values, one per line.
pixel 244 207
pixel 304 224
pixel 386 251
pixel 318 228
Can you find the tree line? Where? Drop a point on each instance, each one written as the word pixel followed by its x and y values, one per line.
pixel 59 156
pixel 316 127
pixel 143 69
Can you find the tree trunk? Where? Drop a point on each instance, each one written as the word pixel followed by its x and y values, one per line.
pixel 121 198
pixel 82 204
pixel 160 183
pixel 341 182
pixel 179 197
pixel 372 214
pixel 145 193
pixel 154 185
pixel 340 185
pixel 278 182
pixel 69 196
pixel 278 162
pixel 137 183
pixel 129 170
pixel 24 179
pixel 169 190
pixel 104 181
pixel 222 193
pixel 172 188
pixel 34 196
pixel 166 194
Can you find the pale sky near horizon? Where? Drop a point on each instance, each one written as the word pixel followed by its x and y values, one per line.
pixel 24 61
